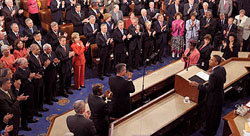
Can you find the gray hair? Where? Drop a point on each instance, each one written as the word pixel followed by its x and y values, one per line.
pixel 27 20
pixel 102 25
pixel 120 21
pixel 46 46
pixel 205 3
pixel 13 25
pixel 53 24
pixel 116 6
pixel 243 11
pixel 7 1
pixel 120 67
pixel 4 47
pixel 79 106
pixel 20 61
pixel 91 16
pixel 4 72
pixel 33 47
pixel 143 10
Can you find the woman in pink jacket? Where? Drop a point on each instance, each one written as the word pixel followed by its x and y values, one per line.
pixel 33 9
pixel 177 41
pixel 191 54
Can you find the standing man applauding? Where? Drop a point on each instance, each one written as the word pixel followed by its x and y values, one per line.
pixel 121 88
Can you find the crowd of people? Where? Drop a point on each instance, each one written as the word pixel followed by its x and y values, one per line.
pixel 32 61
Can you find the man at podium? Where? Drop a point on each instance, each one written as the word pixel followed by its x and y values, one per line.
pixel 215 96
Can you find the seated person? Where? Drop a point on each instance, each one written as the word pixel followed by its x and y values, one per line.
pixel 230 47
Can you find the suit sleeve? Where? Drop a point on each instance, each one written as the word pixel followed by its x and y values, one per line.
pixel 209 86
pixel 92 130
pixel 130 86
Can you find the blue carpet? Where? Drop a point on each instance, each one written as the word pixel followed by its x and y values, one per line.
pixel 65 104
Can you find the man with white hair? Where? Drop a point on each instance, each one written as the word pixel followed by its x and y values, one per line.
pixel 29 30
pixel 50 74
pixel 189 8
pixel 203 12
pixel 152 11
pixel 80 124
pixel 11 14
pixel 116 14
pixel 15 34
pixel 27 88
pixel 144 17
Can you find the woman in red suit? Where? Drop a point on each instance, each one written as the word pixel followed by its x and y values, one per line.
pixel 78 60
pixel 129 22
pixel 7 58
pixel 191 54
pixel 19 50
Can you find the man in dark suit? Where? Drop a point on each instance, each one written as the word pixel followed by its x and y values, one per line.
pixel 14 34
pixel 27 88
pixel 152 11
pixel 50 74
pixel 56 7
pixel 173 9
pixel 124 5
pixel 11 15
pixel 139 4
pixel 219 36
pixel 207 25
pixel 189 8
pixel 64 55
pixel 37 66
pixel 121 88
pixel 215 96
pixel 120 36
pixel 203 12
pixel 95 11
pixel 37 36
pixel 10 104
pixel 230 27
pixel 134 44
pixel 144 17
pixel 78 19
pixel 80 124
pixel 161 28
pixel 28 31
pixel 53 35
pixel 100 109
pixel 104 40
pixel 90 31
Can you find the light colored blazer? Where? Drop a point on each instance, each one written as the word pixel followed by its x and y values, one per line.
pixel 246 31
pixel 237 20
pixel 228 10
pixel 113 15
pixel 194 31
pixel 109 5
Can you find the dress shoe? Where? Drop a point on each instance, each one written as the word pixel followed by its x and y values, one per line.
pixel 82 86
pixel 26 128
pixel 79 89
pixel 43 109
pixel 64 95
pixel 101 77
pixel 69 92
pixel 138 68
pixel 161 61
pixel 49 103
pixel 38 114
pixel 32 121
pixel 107 75
pixel 54 99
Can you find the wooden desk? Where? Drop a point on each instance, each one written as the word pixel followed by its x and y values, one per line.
pixel 234 124
pixel 235 69
pixel 156 80
pixel 240 54
pixel 153 116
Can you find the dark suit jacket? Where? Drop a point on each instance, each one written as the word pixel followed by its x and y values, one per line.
pixel 109 25
pixel 220 26
pixel 171 11
pixel 52 39
pixel 64 65
pixel 77 21
pixel 100 111
pixel 142 22
pixel 34 65
pixel 101 42
pixel 11 106
pixel 12 37
pixel 202 13
pixel 152 14
pixel 186 7
pixel 50 71
pixel 80 126
pixel 8 18
pixel 125 7
pixel 205 54
pixel 135 41
pixel 208 30
pixel 56 13
pixel 88 32
pixel 27 32
pixel 215 87
pixel 120 45
pixel 161 36
pixel 138 6
pixel 227 53
pixel 232 30
pixel 98 19
pixel 121 99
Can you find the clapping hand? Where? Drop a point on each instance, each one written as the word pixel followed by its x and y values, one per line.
pixel 22 97
pixel 7 130
pixel 87 114
pixel 46 63
pixel 56 60
pixel 7 117
pixel 87 44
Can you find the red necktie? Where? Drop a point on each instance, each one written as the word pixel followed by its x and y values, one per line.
pixel 202 47
pixel 225 5
pixel 64 48
pixel 17 35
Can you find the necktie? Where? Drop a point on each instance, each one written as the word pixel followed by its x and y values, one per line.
pixel 202 47
pixel 145 19
pixel 17 35
pixel 11 9
pixel 31 29
pixel 64 48
pixel 105 36
pixel 222 22
pixel 117 17
pixel 225 5
pixel 122 32
pixel 79 14
pixel 2 43
pixel 39 61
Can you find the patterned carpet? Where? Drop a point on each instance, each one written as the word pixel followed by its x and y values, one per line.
pixel 65 104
